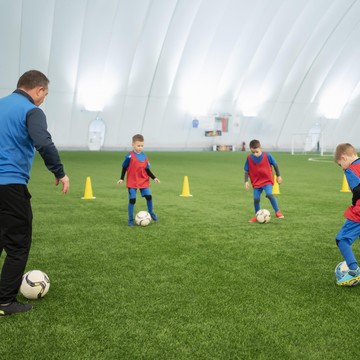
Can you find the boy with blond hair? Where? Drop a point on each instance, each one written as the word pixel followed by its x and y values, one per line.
pixel 137 166
pixel 346 157
pixel 258 168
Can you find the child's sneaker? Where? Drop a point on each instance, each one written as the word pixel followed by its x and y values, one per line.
pixel 253 219
pixel 351 278
pixel 279 215
pixel 131 222
pixel 154 217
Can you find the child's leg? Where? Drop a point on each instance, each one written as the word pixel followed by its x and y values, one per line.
pixel 257 194
pixel 131 205
pixel 349 232
pixel 147 195
pixel 149 203
pixel 271 197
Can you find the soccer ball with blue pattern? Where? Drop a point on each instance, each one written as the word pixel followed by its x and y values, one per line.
pixel 341 270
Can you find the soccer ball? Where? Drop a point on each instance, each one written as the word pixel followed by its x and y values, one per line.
pixel 35 284
pixel 143 218
pixel 341 270
pixel 263 216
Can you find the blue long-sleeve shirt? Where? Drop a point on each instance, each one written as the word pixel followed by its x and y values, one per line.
pixel 23 128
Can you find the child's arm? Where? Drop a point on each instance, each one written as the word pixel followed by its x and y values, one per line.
pixel 356 194
pixel 121 180
pixel 354 184
pixel 274 164
pixel 247 185
pixel 148 171
pixel 125 166
pixel 277 172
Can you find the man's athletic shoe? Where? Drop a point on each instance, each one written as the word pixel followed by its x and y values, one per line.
pixel 351 278
pixel 131 223
pixel 279 215
pixel 253 219
pixel 154 217
pixel 14 308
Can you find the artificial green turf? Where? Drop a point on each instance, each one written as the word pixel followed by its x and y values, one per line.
pixel 202 282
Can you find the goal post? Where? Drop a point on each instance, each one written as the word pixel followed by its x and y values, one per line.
pixel 304 143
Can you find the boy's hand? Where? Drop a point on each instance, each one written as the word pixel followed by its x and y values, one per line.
pixel 279 179
pixel 157 180
pixel 247 185
pixel 119 182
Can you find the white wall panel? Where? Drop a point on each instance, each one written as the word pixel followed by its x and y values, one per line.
pixel 10 35
pixel 67 37
pixel 36 34
pixel 151 66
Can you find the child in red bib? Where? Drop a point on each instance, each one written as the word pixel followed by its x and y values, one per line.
pixel 346 157
pixel 258 169
pixel 137 166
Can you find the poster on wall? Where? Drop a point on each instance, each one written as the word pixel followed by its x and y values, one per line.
pixel 224 148
pixel 213 133
pixel 223 121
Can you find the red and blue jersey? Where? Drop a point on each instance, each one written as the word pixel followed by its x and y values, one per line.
pixel 352 174
pixel 136 165
pixel 259 169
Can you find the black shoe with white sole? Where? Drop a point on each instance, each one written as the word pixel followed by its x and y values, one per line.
pixel 14 308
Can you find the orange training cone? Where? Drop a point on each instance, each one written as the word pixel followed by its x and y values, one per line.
pixel 345 185
pixel 88 194
pixel 186 188
pixel 276 188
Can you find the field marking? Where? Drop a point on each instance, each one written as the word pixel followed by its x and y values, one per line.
pixel 321 159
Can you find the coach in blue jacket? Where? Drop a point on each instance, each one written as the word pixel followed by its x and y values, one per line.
pixel 23 129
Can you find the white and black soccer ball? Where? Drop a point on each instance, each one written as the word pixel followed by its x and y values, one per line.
pixel 35 284
pixel 263 216
pixel 143 218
